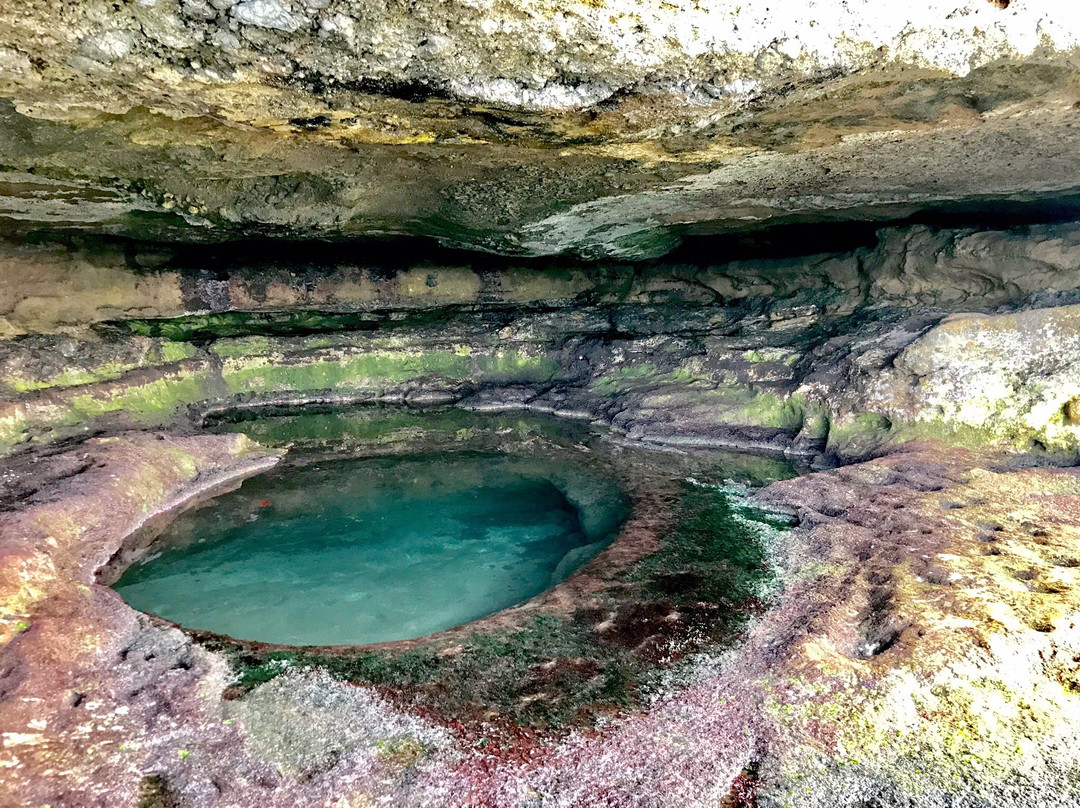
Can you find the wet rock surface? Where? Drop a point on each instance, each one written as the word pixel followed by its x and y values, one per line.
pixel 920 650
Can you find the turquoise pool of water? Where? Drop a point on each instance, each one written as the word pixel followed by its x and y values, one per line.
pixel 365 551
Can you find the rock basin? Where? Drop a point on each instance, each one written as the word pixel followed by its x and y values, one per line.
pixel 359 552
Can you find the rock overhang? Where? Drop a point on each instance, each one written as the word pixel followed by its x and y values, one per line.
pixel 145 121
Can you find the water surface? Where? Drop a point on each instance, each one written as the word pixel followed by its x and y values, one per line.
pixel 367 551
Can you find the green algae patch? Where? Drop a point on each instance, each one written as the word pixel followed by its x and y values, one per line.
pixel 763 355
pixel 868 433
pixel 355 428
pixel 955 434
pixel 546 673
pixel 815 421
pixel 148 401
pixel 153 355
pixel 773 410
pixel 151 402
pixel 718 552
pixel 724 402
pixel 207 327
pixel 360 371
pixel 628 377
pixel 859 435
pixel 747 406
pixel 295 323
pixel 69 378
pixel 243 346
pixel 176 351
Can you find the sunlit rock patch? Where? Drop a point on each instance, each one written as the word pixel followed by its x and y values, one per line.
pixel 958 678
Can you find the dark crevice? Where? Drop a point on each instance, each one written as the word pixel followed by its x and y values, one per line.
pixel 793 236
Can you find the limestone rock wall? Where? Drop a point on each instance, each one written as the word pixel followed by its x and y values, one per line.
pixel 527 53
pixel 214 208
pixel 845 353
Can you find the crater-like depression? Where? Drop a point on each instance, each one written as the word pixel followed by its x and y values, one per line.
pixel 356 551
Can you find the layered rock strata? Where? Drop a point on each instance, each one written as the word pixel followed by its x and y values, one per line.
pixel 837 355
pixel 843 232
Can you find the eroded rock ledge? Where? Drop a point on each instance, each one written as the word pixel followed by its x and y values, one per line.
pixel 922 651
pixel 836 356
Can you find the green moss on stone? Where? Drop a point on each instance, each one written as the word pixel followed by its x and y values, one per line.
pixel 359 427
pixel 869 431
pixel 815 421
pixel 628 376
pixel 206 327
pixel 159 354
pixel 150 402
pixel 746 406
pixel 772 410
pixel 69 378
pixel 176 351
pixel 941 431
pixel 242 346
pixel 359 371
